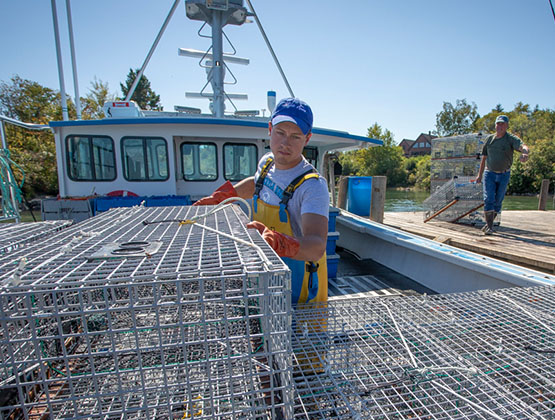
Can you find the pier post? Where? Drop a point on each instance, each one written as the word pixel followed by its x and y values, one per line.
pixel 377 202
pixel 544 190
pixel 342 193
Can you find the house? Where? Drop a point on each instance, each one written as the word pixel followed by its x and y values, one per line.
pixel 419 147
pixel 406 144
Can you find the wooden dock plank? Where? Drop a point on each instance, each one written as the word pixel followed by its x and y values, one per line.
pixel 524 237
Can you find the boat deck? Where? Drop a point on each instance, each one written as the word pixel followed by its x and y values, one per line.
pixel 367 278
pixel 525 238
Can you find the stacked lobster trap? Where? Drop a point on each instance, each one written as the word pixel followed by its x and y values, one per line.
pixel 457 200
pixel 140 314
pixel 455 156
pixel 14 235
pixel 476 355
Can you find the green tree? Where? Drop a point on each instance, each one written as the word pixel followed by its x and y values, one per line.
pixel 35 152
pixel 376 132
pixel 458 119
pixel 377 160
pixel 418 170
pixel 99 93
pixel 145 97
pixel 541 164
pixel 28 101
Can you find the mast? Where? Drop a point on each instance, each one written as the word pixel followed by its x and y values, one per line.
pixel 217 14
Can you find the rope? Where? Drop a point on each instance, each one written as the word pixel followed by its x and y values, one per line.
pixel 11 191
pixel 225 203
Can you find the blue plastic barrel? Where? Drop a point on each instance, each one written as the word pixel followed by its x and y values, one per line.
pixel 359 195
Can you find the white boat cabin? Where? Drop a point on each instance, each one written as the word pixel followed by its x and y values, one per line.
pixel 169 153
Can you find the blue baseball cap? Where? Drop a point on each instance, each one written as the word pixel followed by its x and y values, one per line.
pixel 293 110
pixel 502 118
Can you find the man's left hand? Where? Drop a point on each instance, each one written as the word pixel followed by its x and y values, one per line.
pixel 523 157
pixel 284 245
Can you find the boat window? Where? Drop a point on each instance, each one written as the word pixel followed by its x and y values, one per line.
pixel 240 161
pixel 90 158
pixel 199 161
pixel 311 154
pixel 144 158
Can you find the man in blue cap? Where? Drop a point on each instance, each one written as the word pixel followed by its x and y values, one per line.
pixel 497 158
pixel 290 201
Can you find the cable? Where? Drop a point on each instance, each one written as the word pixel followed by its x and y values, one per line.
pixel 270 48
pixel 552 11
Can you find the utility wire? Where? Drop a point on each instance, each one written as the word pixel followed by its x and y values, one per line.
pixel 552 11
pixel 270 48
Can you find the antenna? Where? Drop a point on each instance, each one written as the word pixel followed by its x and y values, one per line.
pixel 217 13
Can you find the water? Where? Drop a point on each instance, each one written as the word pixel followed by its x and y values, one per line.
pixel 401 200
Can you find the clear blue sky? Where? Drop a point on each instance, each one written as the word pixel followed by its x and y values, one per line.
pixel 355 62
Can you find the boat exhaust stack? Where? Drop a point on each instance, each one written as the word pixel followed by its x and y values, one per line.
pixel 271 101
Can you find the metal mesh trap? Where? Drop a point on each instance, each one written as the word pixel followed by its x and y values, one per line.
pixel 14 235
pixel 456 200
pixel 198 329
pixel 478 355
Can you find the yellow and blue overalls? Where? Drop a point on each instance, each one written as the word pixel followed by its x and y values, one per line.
pixel 309 280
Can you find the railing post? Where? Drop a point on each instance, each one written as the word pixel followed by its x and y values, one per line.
pixel 342 193
pixel 331 177
pixel 377 201
pixel 544 190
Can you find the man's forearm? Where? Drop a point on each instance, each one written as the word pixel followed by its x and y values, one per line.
pixel 245 188
pixel 482 167
pixel 311 248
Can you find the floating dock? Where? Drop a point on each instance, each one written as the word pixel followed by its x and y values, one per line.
pixel 525 238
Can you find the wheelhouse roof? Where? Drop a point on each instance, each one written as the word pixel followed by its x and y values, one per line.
pixel 200 120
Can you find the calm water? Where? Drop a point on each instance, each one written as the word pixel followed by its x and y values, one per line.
pixel 398 200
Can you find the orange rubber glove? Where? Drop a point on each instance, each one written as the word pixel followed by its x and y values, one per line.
pixel 284 245
pixel 224 191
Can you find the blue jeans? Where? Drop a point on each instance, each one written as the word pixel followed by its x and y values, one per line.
pixel 495 186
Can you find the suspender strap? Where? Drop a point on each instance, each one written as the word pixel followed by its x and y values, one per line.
pixel 260 182
pixel 296 183
pixel 288 193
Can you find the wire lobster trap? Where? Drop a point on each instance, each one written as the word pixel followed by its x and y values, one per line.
pixel 479 355
pixel 456 200
pixel 14 235
pixel 137 314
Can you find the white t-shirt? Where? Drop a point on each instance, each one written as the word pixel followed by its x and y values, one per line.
pixel 311 197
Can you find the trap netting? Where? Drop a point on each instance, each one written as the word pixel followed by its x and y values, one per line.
pixel 455 200
pixel 477 355
pixel 116 318
pixel 14 235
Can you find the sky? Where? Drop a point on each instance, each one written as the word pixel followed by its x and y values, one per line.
pixel 356 62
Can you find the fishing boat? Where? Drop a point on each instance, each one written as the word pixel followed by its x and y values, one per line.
pixel 129 314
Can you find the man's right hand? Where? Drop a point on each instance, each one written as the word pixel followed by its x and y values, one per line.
pixel 226 190
pixel 284 245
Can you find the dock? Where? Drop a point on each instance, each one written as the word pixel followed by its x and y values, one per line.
pixel 525 238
